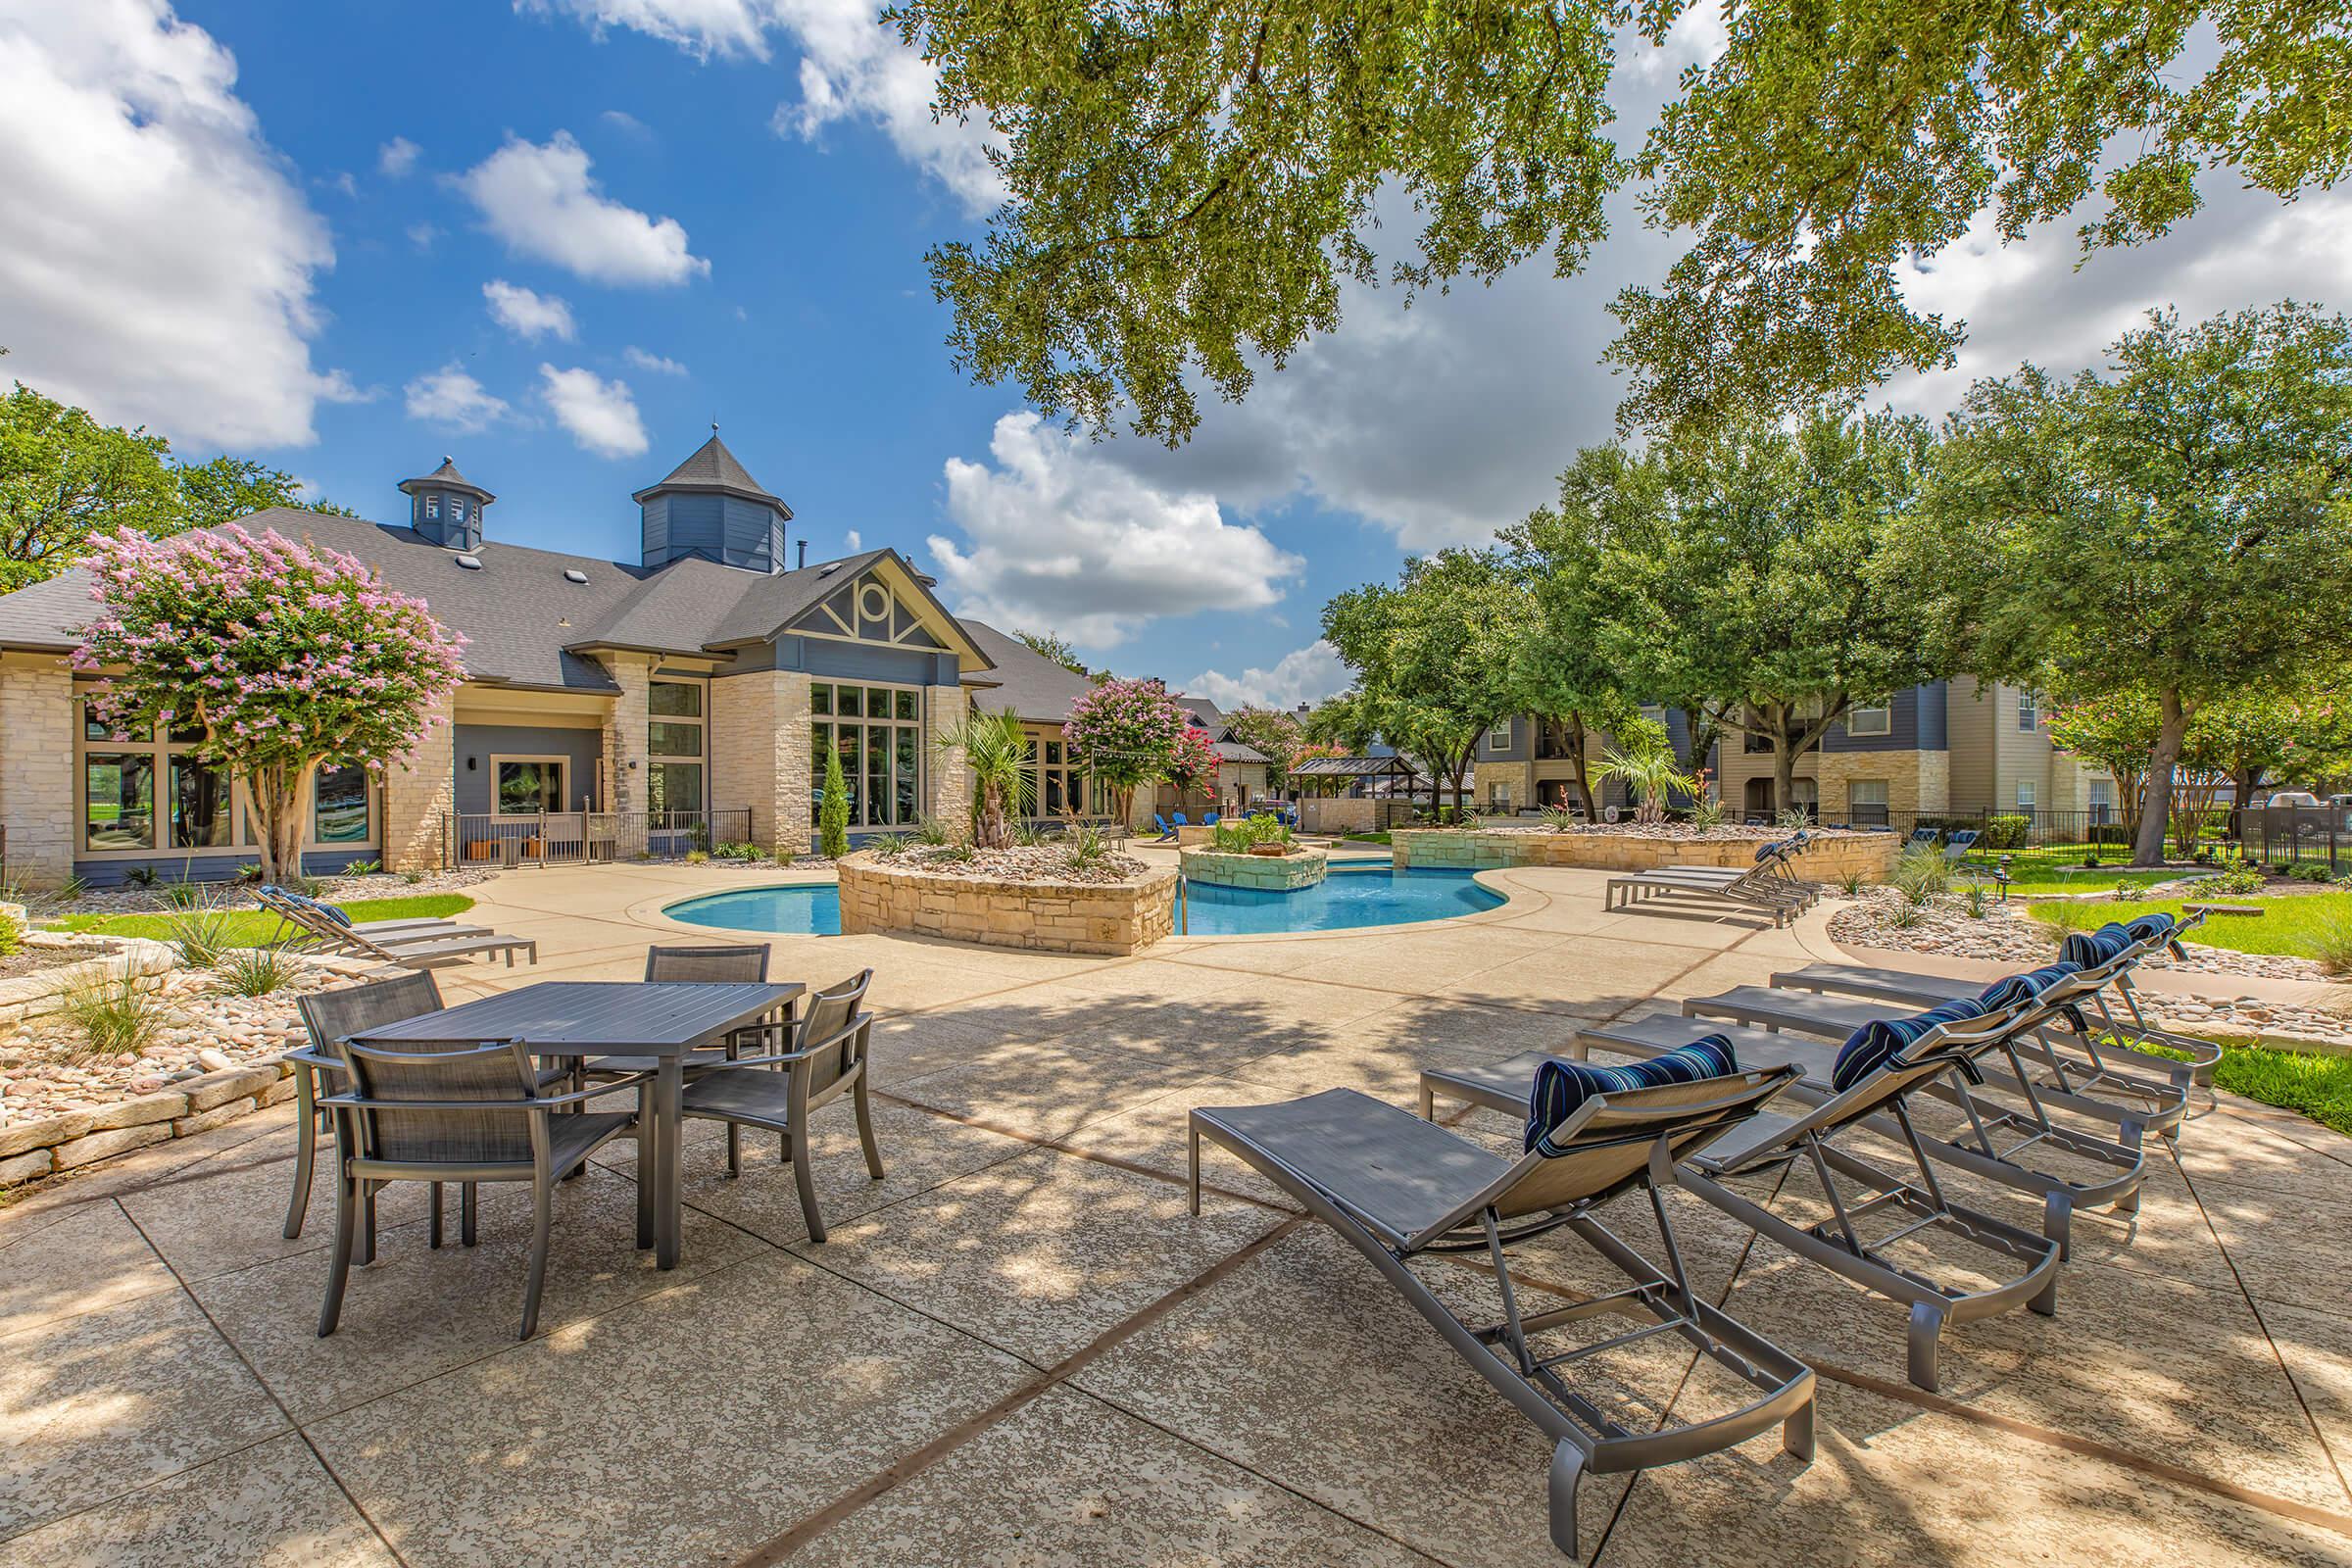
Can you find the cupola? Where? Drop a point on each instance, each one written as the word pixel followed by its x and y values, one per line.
pixel 710 506
pixel 446 507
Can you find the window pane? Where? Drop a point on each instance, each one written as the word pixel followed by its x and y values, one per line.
pixel 675 700
pixel 528 787
pixel 675 740
pixel 91 729
pixel 199 805
pixel 904 703
pixel 877 775
pixel 909 777
pixel 1053 752
pixel 341 813
pixel 1053 800
pixel 674 787
pixel 849 701
pixel 820 698
pixel 120 797
pixel 850 769
pixel 187 734
pixel 877 703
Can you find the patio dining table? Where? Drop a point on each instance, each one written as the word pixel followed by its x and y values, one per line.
pixel 667 1020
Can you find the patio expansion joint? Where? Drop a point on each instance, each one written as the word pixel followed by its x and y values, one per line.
pixel 359 1511
pixel 908 1466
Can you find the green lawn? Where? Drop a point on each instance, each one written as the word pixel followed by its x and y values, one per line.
pixel 2059 868
pixel 246 927
pixel 2318 1086
pixel 2297 926
pixel 1367 837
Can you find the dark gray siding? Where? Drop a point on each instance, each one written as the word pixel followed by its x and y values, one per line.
pixel 728 530
pixel 1514 751
pixel 1916 725
pixel 831 661
pixel 478 743
pixel 212 867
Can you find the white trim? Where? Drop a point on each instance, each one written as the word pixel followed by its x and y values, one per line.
pixel 1886 719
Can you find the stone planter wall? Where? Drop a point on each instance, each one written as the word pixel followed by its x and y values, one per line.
pixel 34 1148
pixel 1830 857
pixel 1279 873
pixel 37 995
pixel 1109 917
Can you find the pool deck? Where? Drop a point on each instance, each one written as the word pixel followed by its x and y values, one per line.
pixel 1018 1349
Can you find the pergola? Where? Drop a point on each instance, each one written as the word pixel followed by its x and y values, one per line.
pixel 1352 770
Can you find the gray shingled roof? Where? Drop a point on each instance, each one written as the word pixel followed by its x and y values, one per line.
pixel 1207 714
pixel 1237 752
pixel 1025 682
pixel 521 616
pixel 447 478
pixel 712 468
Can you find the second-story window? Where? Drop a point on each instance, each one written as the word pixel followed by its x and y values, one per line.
pixel 1498 736
pixel 1870 719
pixel 2028 711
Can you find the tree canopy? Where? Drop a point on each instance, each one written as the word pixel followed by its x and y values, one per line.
pixel 1272 732
pixel 2178 523
pixel 64 478
pixel 1189 185
pixel 1049 646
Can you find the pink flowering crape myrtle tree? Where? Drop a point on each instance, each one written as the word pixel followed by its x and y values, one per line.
pixel 1194 757
pixel 286 656
pixel 1125 733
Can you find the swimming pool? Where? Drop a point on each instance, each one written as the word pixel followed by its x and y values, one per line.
pixel 1352 897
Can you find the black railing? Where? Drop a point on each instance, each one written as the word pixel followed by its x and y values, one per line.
pixel 585 838
pixel 2292 834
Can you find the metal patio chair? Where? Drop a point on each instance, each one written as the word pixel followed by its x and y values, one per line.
pixel 1399 1189
pixel 1758 890
pixel 725 964
pixel 456 1110
pixel 1773 1142
pixel 826 1059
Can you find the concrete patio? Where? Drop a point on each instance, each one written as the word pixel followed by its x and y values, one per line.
pixel 1019 1348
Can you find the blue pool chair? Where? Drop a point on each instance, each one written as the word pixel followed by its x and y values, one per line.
pixel 1165 832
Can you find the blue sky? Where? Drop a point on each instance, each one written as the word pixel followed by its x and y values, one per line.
pixel 558 240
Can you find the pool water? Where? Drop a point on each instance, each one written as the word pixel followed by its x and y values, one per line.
pixel 1350 898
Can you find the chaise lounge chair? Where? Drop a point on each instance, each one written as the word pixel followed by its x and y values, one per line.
pixel 1167 834
pixel 1777 858
pixel 2111 952
pixel 297 909
pixel 1759 890
pixel 1884 1066
pixel 1400 1189
pixel 418 949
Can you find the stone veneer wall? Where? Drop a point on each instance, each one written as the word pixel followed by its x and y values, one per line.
pixel 1916 781
pixel 760 747
pixel 1114 917
pixel 1278 873
pixel 627 737
pixel 1337 813
pixel 1831 857
pixel 416 796
pixel 36 768
pixel 947 781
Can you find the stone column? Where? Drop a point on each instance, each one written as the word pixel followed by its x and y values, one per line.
pixel 759 754
pixel 625 733
pixel 947 781
pixel 38 717
pixel 416 797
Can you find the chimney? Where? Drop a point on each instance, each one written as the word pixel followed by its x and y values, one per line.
pixel 804 561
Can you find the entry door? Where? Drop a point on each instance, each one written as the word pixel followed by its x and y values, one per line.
pixel 1759 797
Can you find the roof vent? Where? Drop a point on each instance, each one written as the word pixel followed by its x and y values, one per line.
pixel 828 569
pixel 574 574
pixel 470 563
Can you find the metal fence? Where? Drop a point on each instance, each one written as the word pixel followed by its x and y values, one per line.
pixel 585 838
pixel 2287 835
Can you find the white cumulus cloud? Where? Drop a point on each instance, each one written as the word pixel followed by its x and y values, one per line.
pixel 644 359
pixel 601 414
pixel 1302 675
pixel 397 158
pixel 527 313
pixel 543 203
pixel 852 66
pixel 454 400
pixel 1057 537
pixel 127 146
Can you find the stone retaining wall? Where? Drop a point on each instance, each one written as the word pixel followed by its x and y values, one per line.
pixel 34 1148
pixel 1829 858
pixel 43 991
pixel 1110 917
pixel 1277 874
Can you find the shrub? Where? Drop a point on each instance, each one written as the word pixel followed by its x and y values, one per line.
pixel 1027 835
pixel 2090 860
pixel 2238 879
pixel 141 876
pixel 250 871
pixel 73 887
pixel 703 857
pixel 1920 872
pixel 1706 814
pixel 114 1014
pixel 363 867
pixel 2069 915
pixel 934 831
pixel 2311 872
pixel 1904 917
pixel 833 810
pixel 1268 830
pixel 891 846
pixel 739 852
pixel 1851 883
pixel 256 971
pixel 1229 836
pixel 1975 901
pixel 1087 846
pixel 183 894
pixel 2004 833
pixel 958 853
pixel 1789 820
pixel 1559 819
pixel 11 937
pixel 200 931
pixel 2332 945
pixel 412 878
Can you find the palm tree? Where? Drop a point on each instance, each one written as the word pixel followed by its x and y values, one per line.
pixel 1650 773
pixel 995 749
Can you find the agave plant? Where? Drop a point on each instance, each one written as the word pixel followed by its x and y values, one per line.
pixel 995 749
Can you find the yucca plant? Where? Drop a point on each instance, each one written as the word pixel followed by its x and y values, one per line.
pixel 257 971
pixel 199 930
pixel 115 1013
pixel 996 750
pixel 1922 872
pixel 1085 845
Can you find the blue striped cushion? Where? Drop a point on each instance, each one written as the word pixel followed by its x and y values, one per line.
pixel 1562 1086
pixel 2091 949
pixel 1878 1043
pixel 2150 927
pixel 2017 987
